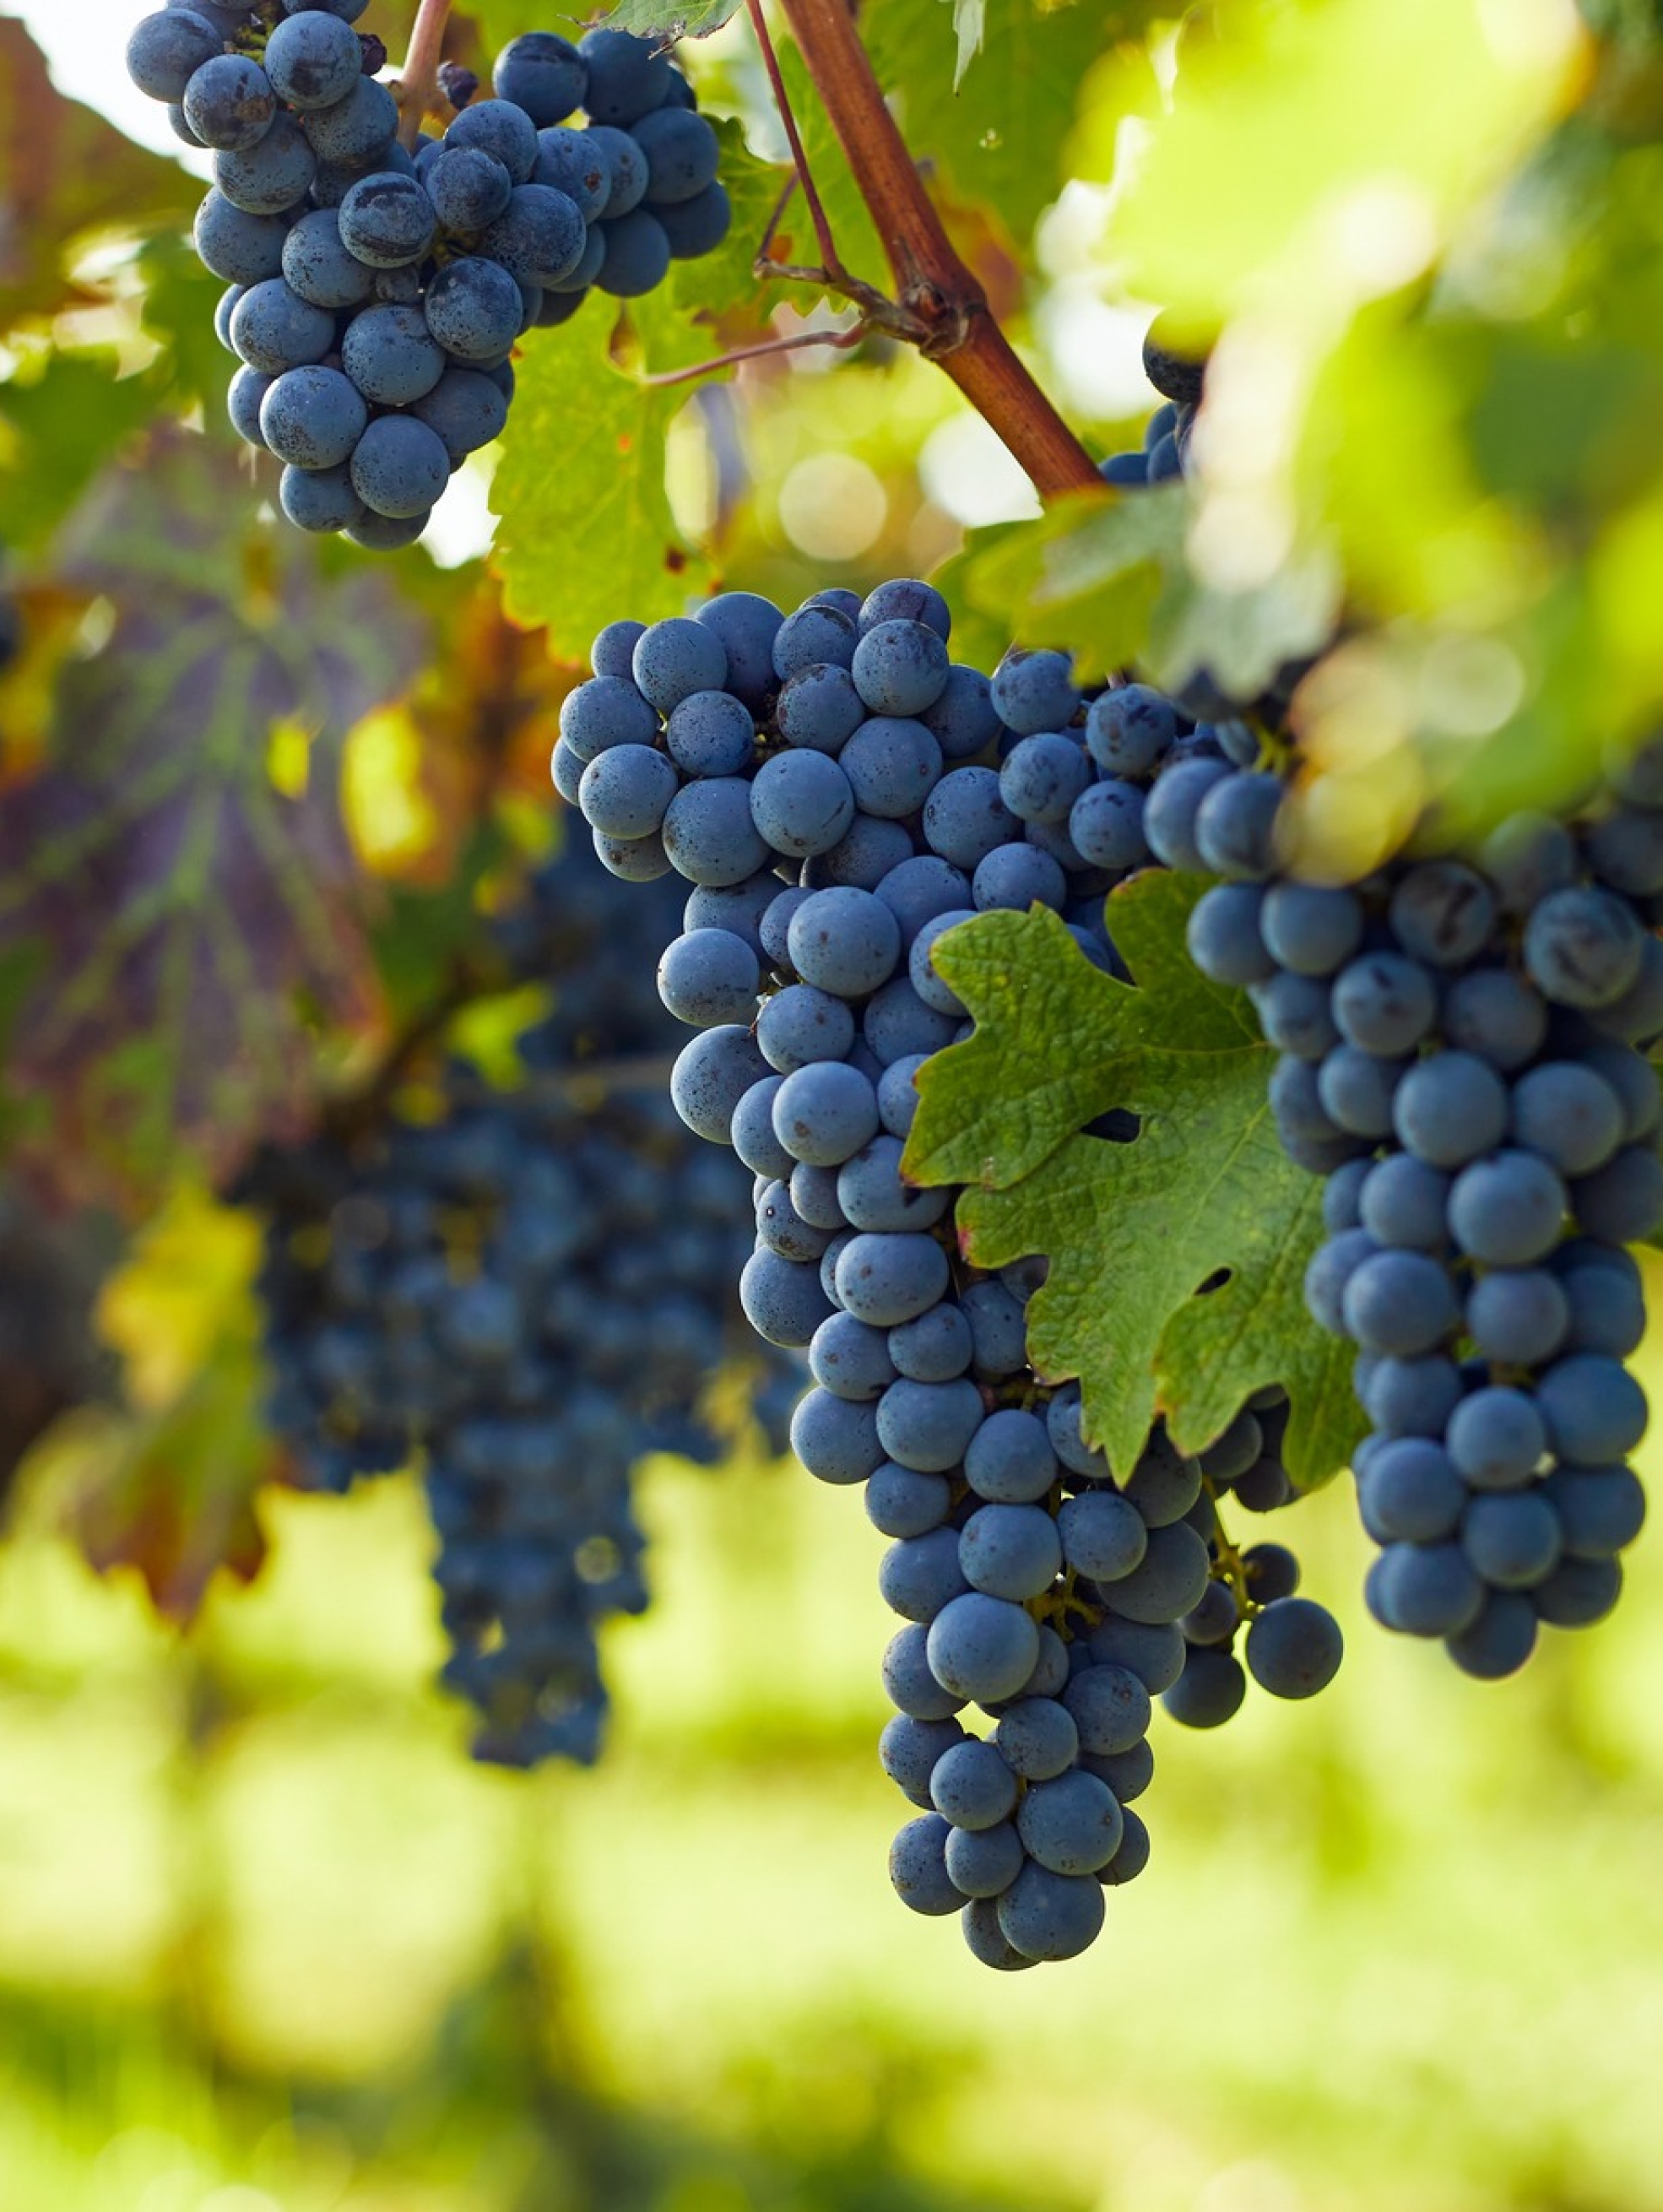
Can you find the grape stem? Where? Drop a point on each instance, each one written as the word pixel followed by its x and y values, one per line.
pixel 416 89
pixel 939 305
pixel 850 336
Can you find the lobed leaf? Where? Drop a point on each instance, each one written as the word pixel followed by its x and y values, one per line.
pixel 1137 1234
pixel 181 922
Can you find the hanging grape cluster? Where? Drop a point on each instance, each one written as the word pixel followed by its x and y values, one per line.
pixel 523 1292
pixel 376 295
pixel 838 793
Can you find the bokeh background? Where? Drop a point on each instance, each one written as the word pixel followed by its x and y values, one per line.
pixel 269 1943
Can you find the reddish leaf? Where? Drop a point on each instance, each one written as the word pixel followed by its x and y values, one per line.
pixel 181 918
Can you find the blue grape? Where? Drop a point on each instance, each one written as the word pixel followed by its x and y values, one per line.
pixel 1209 1691
pixel 1404 1202
pixel 1520 1317
pixel 1010 1550
pixel 1622 1201
pixel 358 130
pixel 1384 1003
pixel 845 940
pixel 391 356
pixel 465 411
pixel 909 1748
pixel 1173 810
pixel 1072 1825
pixel 837 1439
pixel 1234 828
pixel 709 833
pixel 539 237
pixel 1442 912
pixel 681 154
pixel 1449 1108
pixel 166 51
pixel 712 1075
pixel 900 1501
pixel 313 60
pixel 1513 1539
pixel 1594 1409
pixel 1110 1709
pixel 543 73
pixel 1035 691
pixel 800 1025
pixel 574 162
pixel 1507 1211
pixel 1582 947
pixel 321 500
pixel 893 765
pixel 1497 1437
pixel 801 802
pixel 783 1302
pixel 963 720
pixel 1169 1579
pixel 980 1647
pixel 1294 1648
pixel 874 1194
pixel 823 1114
pixel 399 467
pixel 244 402
pixel 626 77
pixel 1103 1535
pixel 1399 1303
pixel 886 1280
pixel 1312 930
pixel 273 329
pixel 1129 731
pixel 317 266
pixel 501 128
pixel 637 256
pixel 229 102
pixel 312 417
pixel 1010 1460
pixel 966 818
pixel 1036 1736
pixel 1106 824
pixel 697 226
pixel 674 659
pixel 270 177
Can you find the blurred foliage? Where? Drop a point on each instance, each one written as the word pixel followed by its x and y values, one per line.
pixel 270 1944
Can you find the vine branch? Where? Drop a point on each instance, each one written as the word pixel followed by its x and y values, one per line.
pixel 416 89
pixel 939 305
pixel 850 336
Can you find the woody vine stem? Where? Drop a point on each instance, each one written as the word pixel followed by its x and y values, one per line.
pixel 938 306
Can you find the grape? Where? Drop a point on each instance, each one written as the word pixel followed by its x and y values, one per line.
pixel 852 1361
pixel 1507 1211
pixel 886 1280
pixel 1294 1648
pixel 1173 810
pixel 984 1863
pixel 1607 1310
pixel 637 256
pixel 244 402
pixel 1428 1589
pixel 815 636
pixel 712 1074
pixel 1496 1015
pixel 1169 1579
pixel 317 499
pixel 500 129
pixel 383 533
pixel 1128 731
pixel 1599 1510
pixel 465 411
pixel 313 59
pixel 837 1439
pixel 1043 776
pixel 980 1647
pixel 909 1685
pixel 709 833
pixel 317 265
pixel 358 131
pixel 1525 858
pixel 1442 914
pixel 681 154
pixel 801 803
pixel 229 102
pixel 273 329
pixel 908 1749
pixel 892 766
pixel 1110 1708
pixel 1578 1593
pixel 898 1025
pixel 1496 1436
pixel 1568 1114
pixel 1399 1303
pixel 1357 1089
pixel 708 977
pixel 1036 1736
pixel 1384 1003
pixel 1163 1486
pixel 814 1194
pixel 1107 825
pixel 312 418
pixel 540 237
pixel 845 940
pixel 800 1025
pixel 1594 1409
pixel 541 73
pixel 1519 1315
pixel 900 1501
pixel 399 467
pixel 1045 1914
pixel 963 720
pixel 166 50
pixel 710 733
pixel 784 1303
pixel 1010 1550
pixel 936 1347
pixel 1209 1691
pixel 1622 1201
pixel 918 889
pixel 1626 851
pixel 919 1577
pixel 1404 1202
pixel 1310 930
pixel 1009 1460
pixel 626 77
pixel 606 711
pixel 1449 1108
pixel 904 598
pixel 391 354
pixel 1235 829
pixel 673 659
pixel 1582 947
pixel 1102 1535
pixel 1034 691
pixel 1272 1572
pixel 1293 1011
pixel 1512 1539
pixel 1071 1826
pixel 987 1940
pixel 1499 1641
pixel 873 1193
pixel 570 161
pixel 271 177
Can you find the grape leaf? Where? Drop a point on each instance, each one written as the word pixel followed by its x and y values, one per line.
pixel 1134 1231
pixel 663 18
pixel 585 532
pixel 65 414
pixel 64 171
pixel 166 1484
pixel 1002 135
pixel 175 901
pixel 1108 580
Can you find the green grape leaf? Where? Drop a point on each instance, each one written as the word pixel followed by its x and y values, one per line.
pixel 176 868
pixel 1135 1233
pixel 62 417
pixel 1002 135
pixel 1108 580
pixel 586 533
pixel 662 19
pixel 65 173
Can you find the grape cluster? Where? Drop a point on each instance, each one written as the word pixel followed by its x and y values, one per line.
pixel 837 792
pixel 375 297
pixel 1462 1047
pixel 522 1289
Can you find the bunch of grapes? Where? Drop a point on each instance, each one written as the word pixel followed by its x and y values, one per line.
pixel 1462 1051
pixel 523 1291
pixel 838 792
pixel 375 297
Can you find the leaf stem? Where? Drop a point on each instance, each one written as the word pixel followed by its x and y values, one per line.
pixel 416 89
pixel 850 336
pixel 822 231
pixel 934 288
